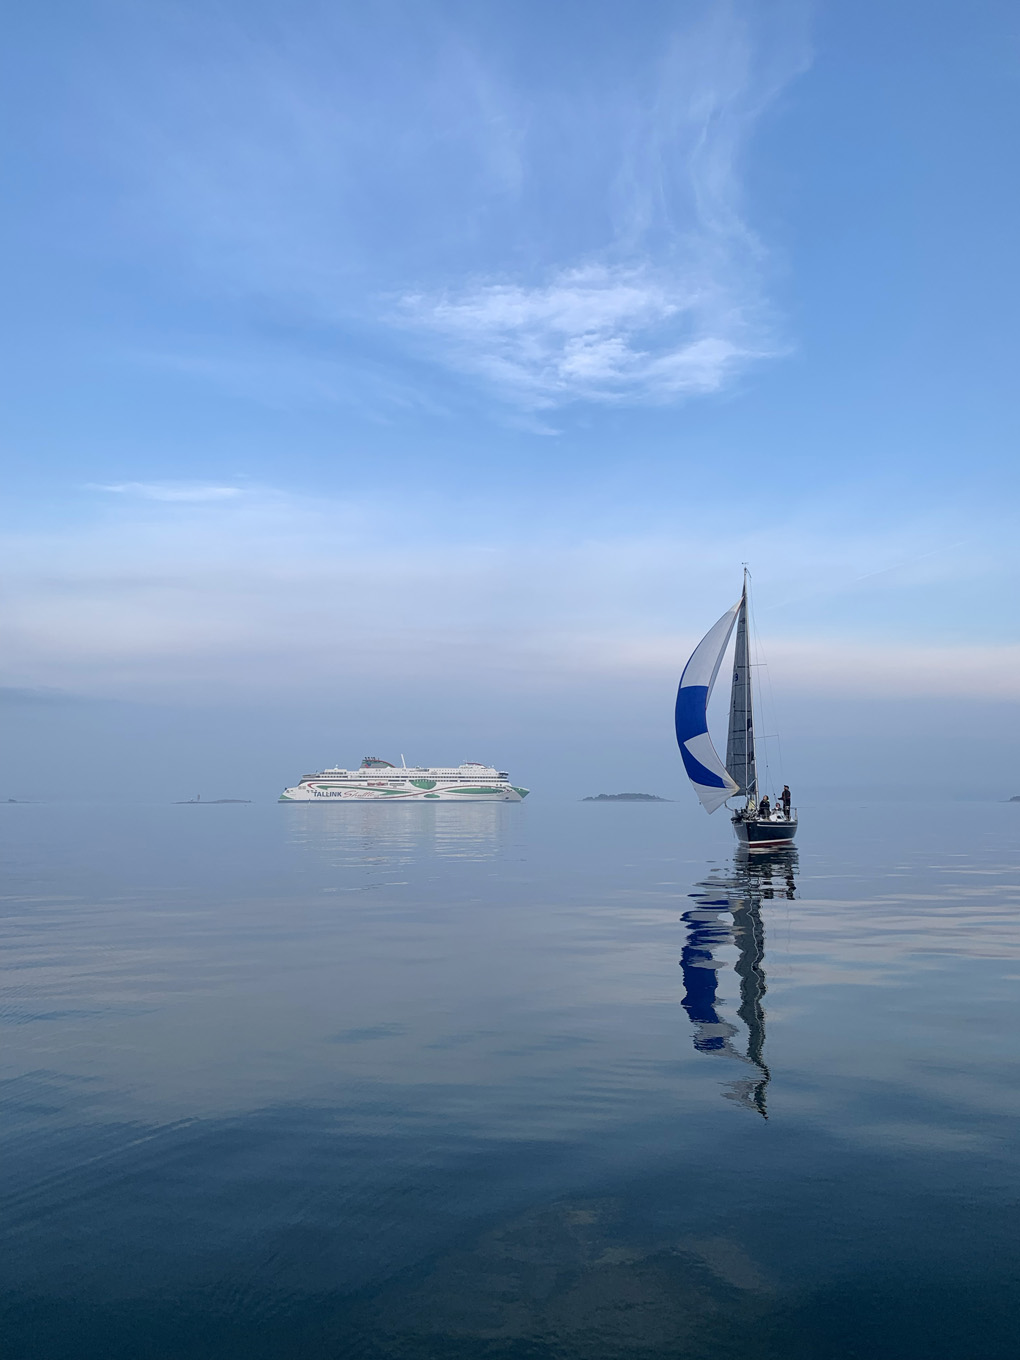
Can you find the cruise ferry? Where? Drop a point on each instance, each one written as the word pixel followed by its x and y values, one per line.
pixel 377 779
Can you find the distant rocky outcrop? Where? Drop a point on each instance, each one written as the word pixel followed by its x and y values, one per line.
pixel 208 802
pixel 1015 798
pixel 626 798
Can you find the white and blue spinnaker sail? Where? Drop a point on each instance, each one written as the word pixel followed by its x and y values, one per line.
pixel 712 781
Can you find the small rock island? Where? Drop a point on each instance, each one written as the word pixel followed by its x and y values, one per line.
pixel 626 798
pixel 208 802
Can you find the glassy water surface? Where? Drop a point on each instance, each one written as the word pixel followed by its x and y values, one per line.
pixel 508 1081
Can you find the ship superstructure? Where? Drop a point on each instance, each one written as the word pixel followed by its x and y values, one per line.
pixel 379 781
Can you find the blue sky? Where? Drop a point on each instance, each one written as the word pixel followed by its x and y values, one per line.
pixel 480 344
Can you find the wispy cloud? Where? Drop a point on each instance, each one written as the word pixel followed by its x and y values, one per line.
pixel 598 332
pixel 566 229
pixel 672 302
pixel 193 492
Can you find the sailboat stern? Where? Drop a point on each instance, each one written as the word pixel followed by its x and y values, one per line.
pixel 762 833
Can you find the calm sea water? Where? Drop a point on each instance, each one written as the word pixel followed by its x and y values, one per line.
pixel 495 1081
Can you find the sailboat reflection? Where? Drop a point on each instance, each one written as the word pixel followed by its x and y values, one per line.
pixel 728 912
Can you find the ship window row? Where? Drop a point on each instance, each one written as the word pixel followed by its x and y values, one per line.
pixel 390 784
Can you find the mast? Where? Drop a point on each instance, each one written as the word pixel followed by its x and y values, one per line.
pixel 749 936
pixel 740 741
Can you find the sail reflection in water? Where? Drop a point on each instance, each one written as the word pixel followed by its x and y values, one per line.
pixel 728 913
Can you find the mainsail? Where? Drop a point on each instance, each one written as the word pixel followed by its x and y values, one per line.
pixel 740 742
pixel 712 782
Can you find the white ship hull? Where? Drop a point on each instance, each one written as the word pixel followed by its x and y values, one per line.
pixel 300 793
pixel 390 784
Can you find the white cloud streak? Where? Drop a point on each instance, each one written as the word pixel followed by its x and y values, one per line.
pixel 185 492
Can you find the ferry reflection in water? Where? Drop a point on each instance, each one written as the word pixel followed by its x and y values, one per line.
pixel 389 834
pixel 728 913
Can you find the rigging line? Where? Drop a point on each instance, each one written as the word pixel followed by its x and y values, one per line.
pixel 752 616
pixel 760 652
pixel 775 716
pixel 779 739
pixel 830 590
pixel 750 786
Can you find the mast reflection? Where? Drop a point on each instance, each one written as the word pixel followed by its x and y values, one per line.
pixel 728 912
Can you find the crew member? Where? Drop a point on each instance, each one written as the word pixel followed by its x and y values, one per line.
pixel 765 808
pixel 784 798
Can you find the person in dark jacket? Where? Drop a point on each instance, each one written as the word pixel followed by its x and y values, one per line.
pixel 784 798
pixel 765 808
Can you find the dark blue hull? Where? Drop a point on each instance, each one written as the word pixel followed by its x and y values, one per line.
pixel 754 832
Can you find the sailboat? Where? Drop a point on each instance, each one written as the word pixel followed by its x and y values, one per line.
pixel 757 822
